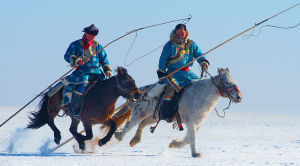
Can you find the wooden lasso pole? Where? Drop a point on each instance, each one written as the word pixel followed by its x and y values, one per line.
pixel 86 59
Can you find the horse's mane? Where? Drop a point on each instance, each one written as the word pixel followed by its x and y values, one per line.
pixel 119 70
pixel 103 83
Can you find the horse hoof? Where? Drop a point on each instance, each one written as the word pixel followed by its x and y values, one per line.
pixel 101 142
pixel 82 145
pixel 132 143
pixel 118 136
pixel 196 154
pixel 57 141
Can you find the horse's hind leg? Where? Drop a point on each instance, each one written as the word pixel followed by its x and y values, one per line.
pixel 179 144
pixel 113 127
pixel 79 138
pixel 136 117
pixel 137 137
pixel 53 109
pixel 57 136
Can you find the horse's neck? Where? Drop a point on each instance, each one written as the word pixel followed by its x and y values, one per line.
pixel 205 92
pixel 107 90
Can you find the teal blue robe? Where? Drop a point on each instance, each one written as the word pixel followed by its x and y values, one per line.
pixel 173 57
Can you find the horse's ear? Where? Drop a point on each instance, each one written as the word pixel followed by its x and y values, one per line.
pixel 220 70
pixel 124 70
pixel 121 71
pixel 227 70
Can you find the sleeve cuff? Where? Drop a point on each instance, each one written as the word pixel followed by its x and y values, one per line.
pixel 205 61
pixel 161 70
pixel 107 68
pixel 73 61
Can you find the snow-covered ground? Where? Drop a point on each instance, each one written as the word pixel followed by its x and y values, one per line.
pixel 238 139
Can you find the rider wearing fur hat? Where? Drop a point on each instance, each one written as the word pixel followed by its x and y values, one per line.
pixel 176 53
pixel 87 56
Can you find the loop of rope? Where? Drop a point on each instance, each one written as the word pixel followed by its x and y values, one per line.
pixel 184 21
pixel 273 26
pixel 213 80
pixel 143 55
pixel 223 116
pixel 130 48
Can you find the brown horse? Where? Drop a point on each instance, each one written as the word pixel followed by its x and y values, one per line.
pixel 98 108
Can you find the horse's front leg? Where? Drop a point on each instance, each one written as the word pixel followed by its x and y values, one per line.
pixel 113 127
pixel 137 137
pixel 88 130
pixel 192 139
pixel 78 137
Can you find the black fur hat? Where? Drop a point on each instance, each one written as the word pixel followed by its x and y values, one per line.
pixel 92 30
pixel 179 26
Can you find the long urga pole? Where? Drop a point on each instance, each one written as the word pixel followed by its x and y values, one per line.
pixel 118 114
pixel 86 59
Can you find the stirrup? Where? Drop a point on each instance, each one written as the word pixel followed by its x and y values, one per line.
pixel 152 129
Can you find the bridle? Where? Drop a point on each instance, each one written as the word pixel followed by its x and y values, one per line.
pixel 124 91
pixel 223 91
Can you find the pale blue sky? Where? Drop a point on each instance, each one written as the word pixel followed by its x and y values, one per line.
pixel 35 35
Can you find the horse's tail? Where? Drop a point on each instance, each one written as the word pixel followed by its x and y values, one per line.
pixel 40 117
pixel 122 115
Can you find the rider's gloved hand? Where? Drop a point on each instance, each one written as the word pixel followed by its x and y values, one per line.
pixel 161 73
pixel 204 64
pixel 108 73
pixel 79 62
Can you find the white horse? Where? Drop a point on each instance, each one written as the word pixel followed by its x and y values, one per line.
pixel 195 105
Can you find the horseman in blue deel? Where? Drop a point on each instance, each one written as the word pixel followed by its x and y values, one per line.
pixel 176 53
pixel 87 56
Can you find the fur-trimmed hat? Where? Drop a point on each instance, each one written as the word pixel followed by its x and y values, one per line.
pixel 175 39
pixel 179 26
pixel 92 30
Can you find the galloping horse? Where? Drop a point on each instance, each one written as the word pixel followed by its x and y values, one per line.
pixel 98 108
pixel 195 105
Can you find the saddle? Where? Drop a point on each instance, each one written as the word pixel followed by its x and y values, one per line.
pixel 93 79
pixel 173 111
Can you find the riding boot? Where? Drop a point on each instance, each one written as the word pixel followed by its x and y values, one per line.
pixel 165 113
pixel 76 105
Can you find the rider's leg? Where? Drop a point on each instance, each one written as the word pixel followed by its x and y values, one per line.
pixel 70 83
pixel 167 97
pixel 67 94
pixel 77 100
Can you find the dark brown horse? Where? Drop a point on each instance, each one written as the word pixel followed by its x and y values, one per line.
pixel 98 108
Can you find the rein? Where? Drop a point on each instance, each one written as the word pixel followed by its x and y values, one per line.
pixel 221 91
pixel 127 92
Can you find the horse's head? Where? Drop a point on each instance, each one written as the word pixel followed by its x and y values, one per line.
pixel 126 85
pixel 227 86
